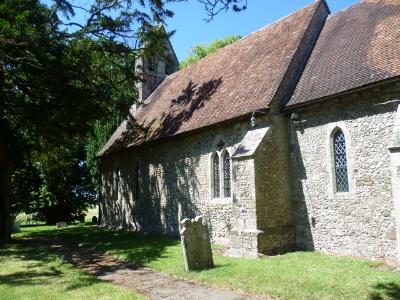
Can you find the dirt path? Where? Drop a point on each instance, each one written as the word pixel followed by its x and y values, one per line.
pixel 150 283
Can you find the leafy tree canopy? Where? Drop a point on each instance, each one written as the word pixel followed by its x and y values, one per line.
pixel 58 76
pixel 200 51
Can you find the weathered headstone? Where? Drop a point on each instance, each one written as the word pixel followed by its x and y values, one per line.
pixel 61 224
pixel 196 244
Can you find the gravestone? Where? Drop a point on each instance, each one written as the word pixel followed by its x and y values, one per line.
pixel 61 224
pixel 196 244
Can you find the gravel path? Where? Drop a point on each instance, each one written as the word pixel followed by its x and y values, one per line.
pixel 150 283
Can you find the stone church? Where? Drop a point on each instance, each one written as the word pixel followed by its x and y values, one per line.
pixel 288 139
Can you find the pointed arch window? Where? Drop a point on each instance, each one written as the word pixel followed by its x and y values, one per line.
pixel 339 148
pixel 227 174
pixel 216 178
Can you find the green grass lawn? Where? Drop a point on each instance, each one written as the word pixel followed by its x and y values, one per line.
pixel 29 272
pixel 300 275
pixel 28 220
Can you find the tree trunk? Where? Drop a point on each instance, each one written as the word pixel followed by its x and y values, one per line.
pixel 5 184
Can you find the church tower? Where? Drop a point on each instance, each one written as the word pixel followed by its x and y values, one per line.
pixel 154 72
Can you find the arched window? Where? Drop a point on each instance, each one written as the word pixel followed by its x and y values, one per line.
pixel 339 148
pixel 216 181
pixel 227 174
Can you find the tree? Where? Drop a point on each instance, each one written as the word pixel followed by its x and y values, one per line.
pixel 66 190
pixel 54 186
pixel 53 85
pixel 95 142
pixel 200 51
pixel 214 7
pixel 57 75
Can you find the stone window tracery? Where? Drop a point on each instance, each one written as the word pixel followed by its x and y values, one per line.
pixel 216 177
pixel 227 174
pixel 341 173
pixel 221 174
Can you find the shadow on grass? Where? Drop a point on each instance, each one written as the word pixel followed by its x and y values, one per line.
pixel 31 225
pixel 39 267
pixel 134 247
pixel 389 290
pixel 27 277
pixel 25 250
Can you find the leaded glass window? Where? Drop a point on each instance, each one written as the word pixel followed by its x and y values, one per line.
pixel 216 181
pixel 339 147
pixel 227 175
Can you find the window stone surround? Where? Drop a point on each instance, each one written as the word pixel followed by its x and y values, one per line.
pixel 220 153
pixel 361 222
pixel 331 130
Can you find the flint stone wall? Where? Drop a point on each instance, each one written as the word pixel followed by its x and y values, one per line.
pixel 174 180
pixel 361 222
pixel 152 188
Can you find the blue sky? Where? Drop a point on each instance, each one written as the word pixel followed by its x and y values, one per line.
pixel 191 28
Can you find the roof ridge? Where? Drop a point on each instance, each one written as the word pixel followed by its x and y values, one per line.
pixel 351 7
pixel 276 21
pixel 367 59
pixel 252 33
pixel 315 2
pixel 345 9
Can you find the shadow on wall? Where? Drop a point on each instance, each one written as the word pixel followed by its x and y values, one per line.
pixel 169 182
pixel 127 204
pixel 119 202
pixel 113 208
pixel 175 182
pixel 173 186
pixel 389 290
pixel 303 217
pixel 167 187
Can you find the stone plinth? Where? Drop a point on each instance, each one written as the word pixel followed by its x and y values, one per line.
pixel 196 244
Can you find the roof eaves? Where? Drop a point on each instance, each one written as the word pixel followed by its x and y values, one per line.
pixel 362 88
pixel 185 133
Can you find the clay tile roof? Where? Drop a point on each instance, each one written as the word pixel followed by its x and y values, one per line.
pixel 232 82
pixel 357 46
